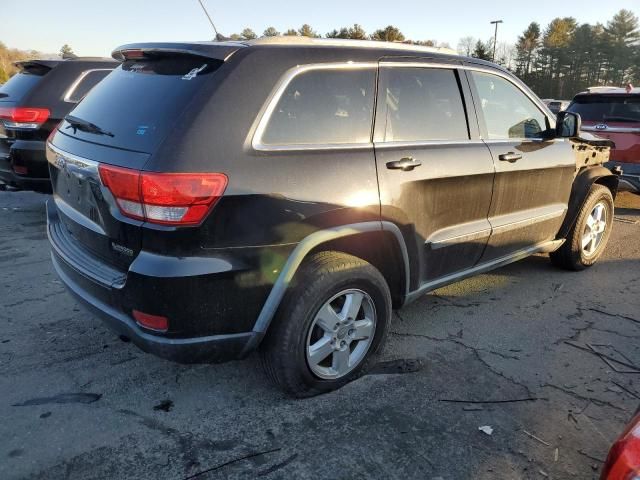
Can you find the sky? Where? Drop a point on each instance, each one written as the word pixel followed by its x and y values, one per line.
pixel 95 27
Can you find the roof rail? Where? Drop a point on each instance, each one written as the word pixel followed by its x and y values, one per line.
pixel 339 42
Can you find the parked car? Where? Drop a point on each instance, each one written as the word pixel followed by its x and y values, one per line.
pixel 623 461
pixel 614 113
pixel 32 103
pixel 212 198
pixel 556 106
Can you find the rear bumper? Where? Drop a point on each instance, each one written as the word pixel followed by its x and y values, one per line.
pixel 630 179
pixel 106 293
pixel 27 154
pixel 214 348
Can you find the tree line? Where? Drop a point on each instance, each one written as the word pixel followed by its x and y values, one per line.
pixel 389 33
pixel 557 62
pixel 567 57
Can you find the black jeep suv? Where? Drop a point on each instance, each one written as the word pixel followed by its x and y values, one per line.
pixel 212 198
pixel 32 103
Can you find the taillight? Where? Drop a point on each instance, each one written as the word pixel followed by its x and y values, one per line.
pixel 23 117
pixel 623 461
pixel 154 322
pixel 164 198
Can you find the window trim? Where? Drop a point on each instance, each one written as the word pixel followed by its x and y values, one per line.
pixel 483 124
pixel 267 110
pixel 274 98
pixel 381 109
pixel 76 83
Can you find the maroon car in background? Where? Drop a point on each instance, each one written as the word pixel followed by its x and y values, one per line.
pixel 614 113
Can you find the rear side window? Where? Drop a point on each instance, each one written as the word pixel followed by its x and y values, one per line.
pixel 602 108
pixel 20 84
pixel 323 106
pixel 422 104
pixel 508 112
pixel 139 102
pixel 85 82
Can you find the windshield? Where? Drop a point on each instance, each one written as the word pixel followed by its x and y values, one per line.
pixel 140 101
pixel 607 108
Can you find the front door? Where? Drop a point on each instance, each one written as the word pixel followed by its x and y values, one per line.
pixel 434 172
pixel 534 170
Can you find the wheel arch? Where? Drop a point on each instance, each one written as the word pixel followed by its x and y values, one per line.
pixel 342 239
pixel 583 182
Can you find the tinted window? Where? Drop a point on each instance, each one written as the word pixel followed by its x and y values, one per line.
pixel 86 82
pixel 324 107
pixel 18 86
pixel 140 101
pixel 422 104
pixel 601 108
pixel 508 112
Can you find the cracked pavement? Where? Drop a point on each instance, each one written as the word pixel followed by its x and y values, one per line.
pixel 76 402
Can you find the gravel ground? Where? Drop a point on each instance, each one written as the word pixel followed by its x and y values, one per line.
pixel 76 402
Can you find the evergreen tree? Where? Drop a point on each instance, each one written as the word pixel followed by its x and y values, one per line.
pixel 270 32
pixel 248 34
pixel 388 34
pixel 481 51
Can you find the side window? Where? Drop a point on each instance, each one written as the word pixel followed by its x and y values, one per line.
pixel 422 104
pixel 324 106
pixel 84 84
pixel 508 112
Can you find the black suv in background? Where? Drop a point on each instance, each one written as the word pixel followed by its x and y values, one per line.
pixel 32 103
pixel 210 198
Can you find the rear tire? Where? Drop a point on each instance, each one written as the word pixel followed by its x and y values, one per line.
pixel 588 237
pixel 330 326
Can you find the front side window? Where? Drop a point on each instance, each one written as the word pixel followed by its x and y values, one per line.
pixel 508 112
pixel 324 106
pixel 422 104
pixel 86 82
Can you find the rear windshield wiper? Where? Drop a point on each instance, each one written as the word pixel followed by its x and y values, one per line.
pixel 85 126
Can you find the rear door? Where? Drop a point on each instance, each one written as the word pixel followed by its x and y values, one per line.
pixel 534 171
pixel 120 122
pixel 435 174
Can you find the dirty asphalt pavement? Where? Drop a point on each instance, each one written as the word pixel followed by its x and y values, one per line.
pixel 76 402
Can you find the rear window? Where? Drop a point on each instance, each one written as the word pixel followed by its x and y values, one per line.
pixel 324 107
pixel 21 84
pixel 602 108
pixel 139 102
pixel 85 82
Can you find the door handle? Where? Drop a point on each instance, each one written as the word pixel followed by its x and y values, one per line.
pixel 510 157
pixel 405 164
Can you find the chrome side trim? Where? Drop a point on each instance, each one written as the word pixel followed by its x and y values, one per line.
pixel 425 143
pixel 74 85
pixel 513 221
pixel 301 251
pixel 611 129
pixel 457 234
pixel 484 267
pixel 274 98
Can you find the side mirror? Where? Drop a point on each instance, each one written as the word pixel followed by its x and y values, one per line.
pixel 568 125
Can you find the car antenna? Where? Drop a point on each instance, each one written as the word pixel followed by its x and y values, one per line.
pixel 209 18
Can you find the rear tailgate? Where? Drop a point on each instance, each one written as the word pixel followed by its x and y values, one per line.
pixel 120 123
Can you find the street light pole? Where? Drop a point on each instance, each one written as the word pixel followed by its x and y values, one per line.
pixel 495 38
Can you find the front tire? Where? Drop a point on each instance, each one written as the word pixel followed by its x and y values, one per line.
pixel 329 327
pixel 588 237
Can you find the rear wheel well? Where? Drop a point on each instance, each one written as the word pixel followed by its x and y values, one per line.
pixel 381 250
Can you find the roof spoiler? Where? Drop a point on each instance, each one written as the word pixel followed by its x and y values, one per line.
pixel 216 50
pixel 35 64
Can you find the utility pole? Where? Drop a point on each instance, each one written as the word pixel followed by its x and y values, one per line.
pixel 495 38
pixel 210 21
